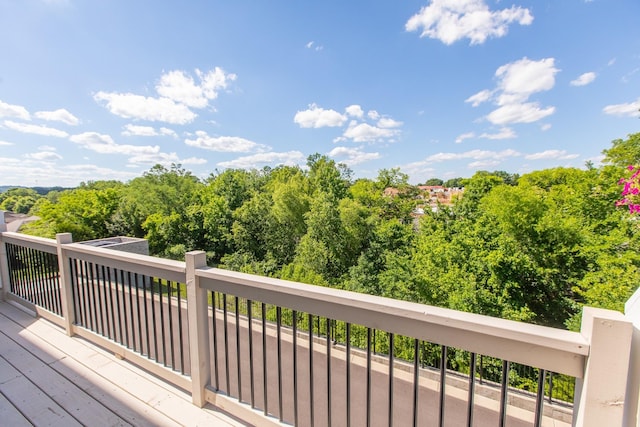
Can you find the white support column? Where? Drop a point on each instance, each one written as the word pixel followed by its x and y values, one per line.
pixel 600 395
pixel 197 312
pixel 66 294
pixel 632 404
pixel 4 265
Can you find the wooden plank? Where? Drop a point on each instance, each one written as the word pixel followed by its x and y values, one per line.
pixel 36 406
pixel 65 393
pixel 10 415
pixel 134 394
pixel 111 395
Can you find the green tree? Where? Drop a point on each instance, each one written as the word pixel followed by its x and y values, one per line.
pixel 18 200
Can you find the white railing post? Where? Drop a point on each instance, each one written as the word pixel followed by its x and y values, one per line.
pixel 600 394
pixel 632 403
pixel 66 294
pixel 197 313
pixel 4 265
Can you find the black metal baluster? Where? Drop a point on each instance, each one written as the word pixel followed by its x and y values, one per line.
pixel 31 295
pixel 539 398
pixel 145 304
pixel 348 372
pixel 328 371
pixel 99 288
pixel 124 321
pixel 391 362
pixel 85 296
pixel 416 380
pixel 93 297
pixel 42 276
pixel 139 312
pixel 311 403
pixel 226 342
pixel 238 356
pixel 120 318
pixel 153 319
pixel 214 324
pixel 279 358
pixel 131 318
pixel 95 285
pixel 368 377
pixel 472 383
pixel 162 328
pixel 106 273
pixel 503 393
pixel 180 334
pixel 264 359
pixel 443 383
pixel 294 325
pixel 104 305
pixel 170 315
pixel 250 331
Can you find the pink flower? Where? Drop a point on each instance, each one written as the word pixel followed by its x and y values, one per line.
pixel 630 167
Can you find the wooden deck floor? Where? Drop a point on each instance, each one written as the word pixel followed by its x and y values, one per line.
pixel 49 379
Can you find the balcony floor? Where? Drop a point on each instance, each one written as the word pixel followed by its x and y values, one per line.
pixel 47 378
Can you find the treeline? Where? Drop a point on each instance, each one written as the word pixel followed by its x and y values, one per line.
pixel 535 247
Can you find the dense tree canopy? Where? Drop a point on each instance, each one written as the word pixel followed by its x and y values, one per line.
pixel 534 247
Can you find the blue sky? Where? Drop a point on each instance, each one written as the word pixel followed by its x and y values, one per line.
pixel 93 90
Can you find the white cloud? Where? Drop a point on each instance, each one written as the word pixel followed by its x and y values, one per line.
pixel 519 113
pixel 15 111
pixel 179 87
pixel 316 117
pixel 583 79
pixel 627 77
pixel 44 156
pixel 104 144
pixel 629 109
pixel 473 154
pixel 520 79
pixel 229 144
pixel 464 136
pixel 132 106
pixel 355 111
pixel 168 132
pixel 364 132
pixel 33 172
pixel 59 115
pixel 133 130
pixel 358 130
pixel 545 127
pixel 314 46
pixel 5 143
pixel 479 98
pixel 452 20
pixel 35 129
pixel 182 88
pixel 165 159
pixel 387 123
pixel 289 158
pixel 483 164
pixel 517 81
pixel 352 156
pixel 551 155
pixel 505 133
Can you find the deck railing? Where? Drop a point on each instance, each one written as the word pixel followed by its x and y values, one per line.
pixel 273 351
